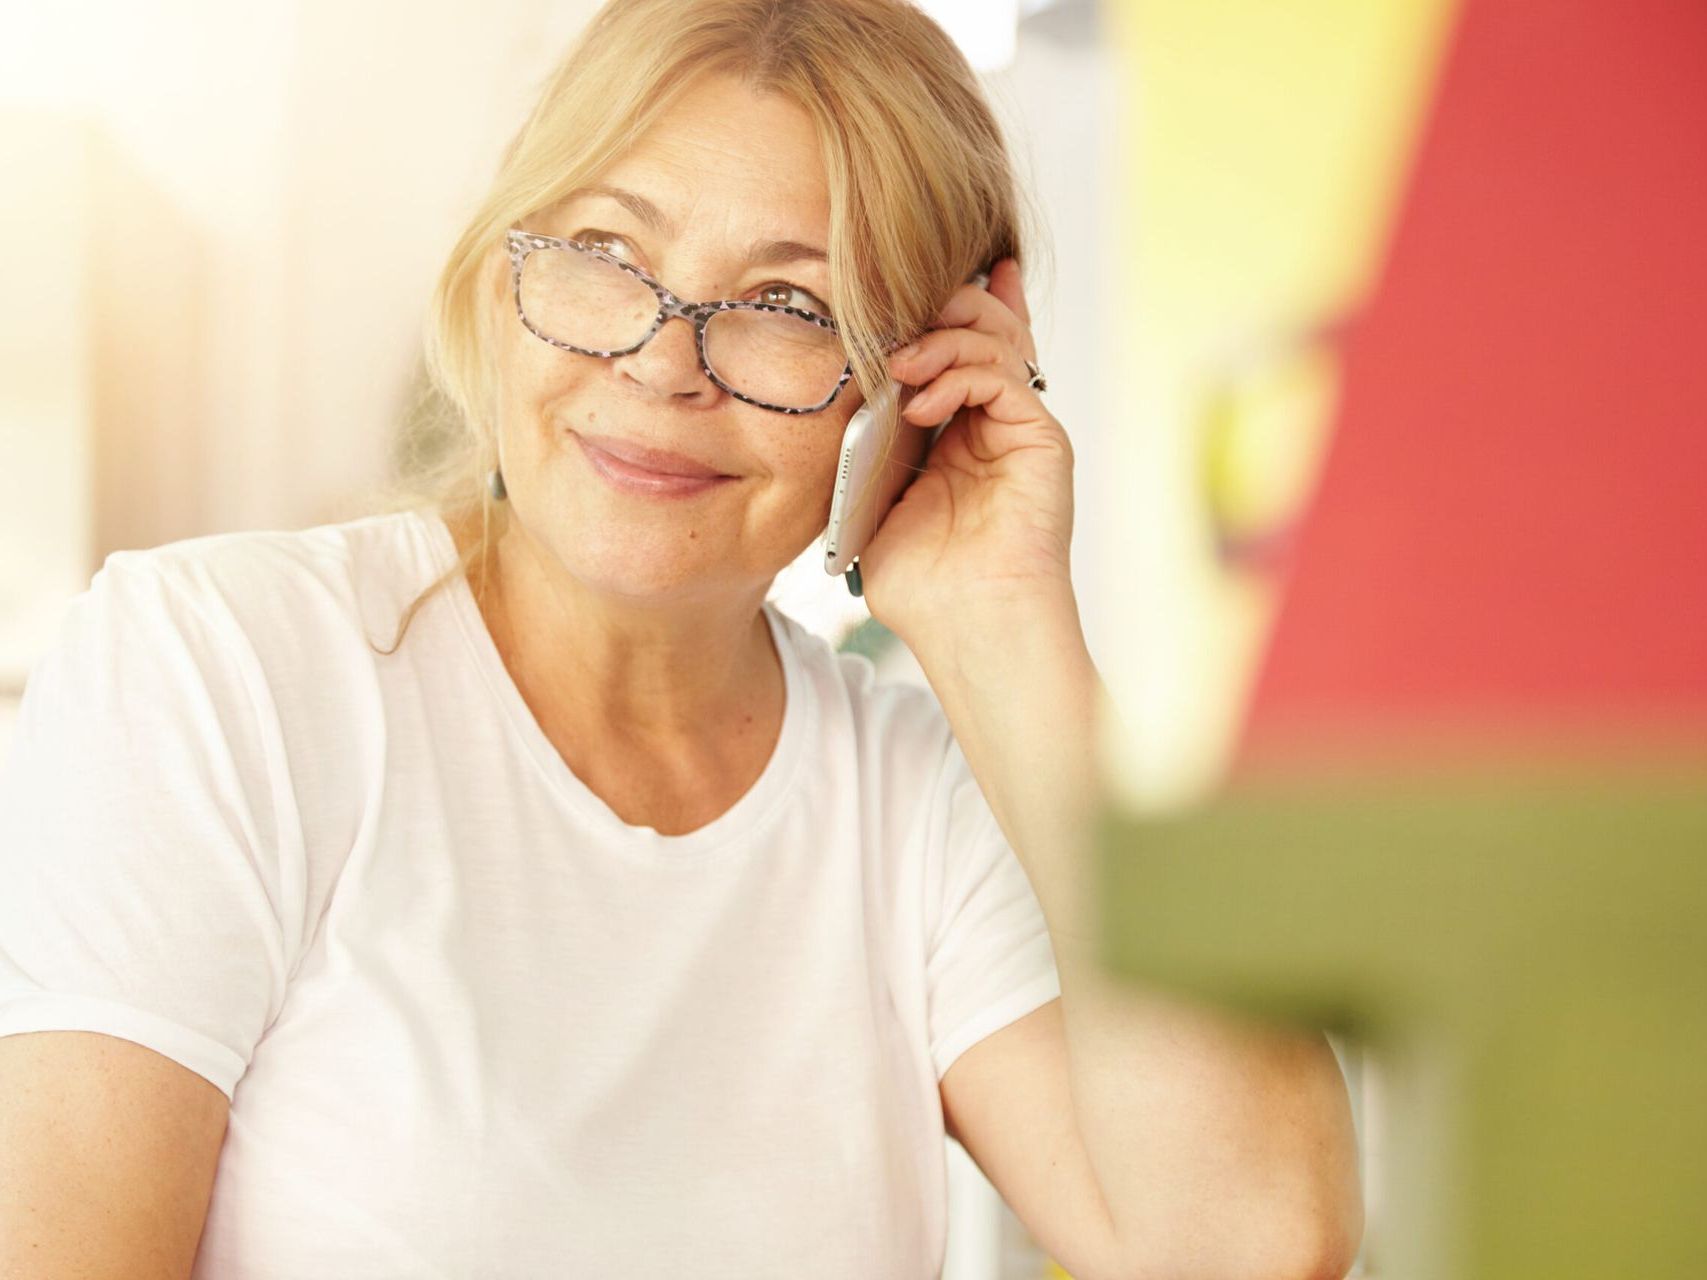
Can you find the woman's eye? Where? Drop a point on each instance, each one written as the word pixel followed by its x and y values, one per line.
pixel 778 293
pixel 781 294
pixel 597 239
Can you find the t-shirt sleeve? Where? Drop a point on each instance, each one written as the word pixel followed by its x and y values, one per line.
pixel 990 960
pixel 149 878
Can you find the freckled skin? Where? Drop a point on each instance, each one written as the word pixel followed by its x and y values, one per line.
pixel 727 167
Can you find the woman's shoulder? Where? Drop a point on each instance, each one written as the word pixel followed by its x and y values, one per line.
pixel 354 574
pixel 887 705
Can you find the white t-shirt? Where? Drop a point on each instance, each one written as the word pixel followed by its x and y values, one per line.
pixel 471 1022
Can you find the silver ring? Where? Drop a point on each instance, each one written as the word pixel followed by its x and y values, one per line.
pixel 1038 382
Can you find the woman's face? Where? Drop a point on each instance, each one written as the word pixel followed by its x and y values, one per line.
pixel 724 170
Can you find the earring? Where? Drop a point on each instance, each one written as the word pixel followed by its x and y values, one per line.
pixel 495 484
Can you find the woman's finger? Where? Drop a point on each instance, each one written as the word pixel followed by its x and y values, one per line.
pixel 942 349
pixel 989 311
pixel 1007 282
pixel 1013 407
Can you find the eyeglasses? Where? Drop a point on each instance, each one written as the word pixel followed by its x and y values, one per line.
pixel 582 299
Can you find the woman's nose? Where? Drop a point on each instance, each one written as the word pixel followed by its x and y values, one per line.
pixel 668 364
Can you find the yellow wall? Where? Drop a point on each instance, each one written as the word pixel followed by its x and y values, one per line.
pixel 1265 148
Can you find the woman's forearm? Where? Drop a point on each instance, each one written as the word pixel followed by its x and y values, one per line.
pixel 1221 1147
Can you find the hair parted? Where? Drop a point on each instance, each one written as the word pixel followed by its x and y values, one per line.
pixel 922 193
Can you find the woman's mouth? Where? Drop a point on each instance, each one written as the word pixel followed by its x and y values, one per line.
pixel 668 476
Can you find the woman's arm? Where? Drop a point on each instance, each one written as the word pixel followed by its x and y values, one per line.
pixel 1220 1148
pixel 1212 1147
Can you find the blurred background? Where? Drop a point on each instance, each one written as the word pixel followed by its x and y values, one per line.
pixel 1379 327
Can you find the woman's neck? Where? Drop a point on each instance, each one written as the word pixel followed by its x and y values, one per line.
pixel 586 660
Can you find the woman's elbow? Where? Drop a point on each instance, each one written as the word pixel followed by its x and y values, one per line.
pixel 1329 1240
pixel 1318 1242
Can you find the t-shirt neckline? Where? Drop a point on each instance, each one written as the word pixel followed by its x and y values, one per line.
pixel 756 806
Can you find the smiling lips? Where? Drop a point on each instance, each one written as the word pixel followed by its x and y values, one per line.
pixel 654 472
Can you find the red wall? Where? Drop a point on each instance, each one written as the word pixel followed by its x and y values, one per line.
pixel 1511 528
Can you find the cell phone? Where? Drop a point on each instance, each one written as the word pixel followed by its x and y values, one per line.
pixel 863 497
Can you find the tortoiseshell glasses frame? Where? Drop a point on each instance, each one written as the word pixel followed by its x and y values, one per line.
pixel 521 243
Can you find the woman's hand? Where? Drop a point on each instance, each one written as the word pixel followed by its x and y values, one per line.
pixel 988 524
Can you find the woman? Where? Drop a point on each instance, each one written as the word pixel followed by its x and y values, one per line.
pixel 603 921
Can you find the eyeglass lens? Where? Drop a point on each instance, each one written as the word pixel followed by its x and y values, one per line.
pixel 582 300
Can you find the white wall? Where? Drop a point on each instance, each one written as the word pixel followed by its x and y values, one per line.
pixel 46 482
pixel 218 228
pixel 275 184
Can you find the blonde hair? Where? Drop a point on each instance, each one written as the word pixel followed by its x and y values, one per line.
pixel 921 193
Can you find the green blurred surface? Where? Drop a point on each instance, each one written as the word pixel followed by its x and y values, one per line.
pixel 870 638
pixel 1522 946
